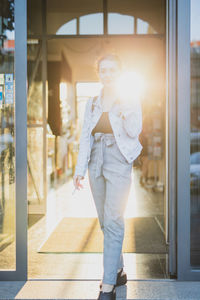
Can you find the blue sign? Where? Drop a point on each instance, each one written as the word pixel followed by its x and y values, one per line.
pixel 9 92
pixel 9 78
pixel 1 93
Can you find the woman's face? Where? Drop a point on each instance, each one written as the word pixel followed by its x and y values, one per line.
pixel 109 71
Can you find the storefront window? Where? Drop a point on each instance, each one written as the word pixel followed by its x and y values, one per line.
pixel 195 133
pixel 7 136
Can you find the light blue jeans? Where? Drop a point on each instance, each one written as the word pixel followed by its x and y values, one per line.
pixel 110 181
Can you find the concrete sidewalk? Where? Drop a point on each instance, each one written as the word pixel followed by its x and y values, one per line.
pixel 149 289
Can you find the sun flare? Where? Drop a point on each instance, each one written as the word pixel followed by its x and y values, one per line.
pixel 130 86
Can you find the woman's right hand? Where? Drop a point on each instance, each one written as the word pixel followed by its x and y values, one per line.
pixel 76 180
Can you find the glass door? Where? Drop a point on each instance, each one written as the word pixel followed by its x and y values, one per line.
pixel 74 35
pixel 13 115
pixel 188 140
pixel 13 105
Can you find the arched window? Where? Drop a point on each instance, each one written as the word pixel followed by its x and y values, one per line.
pixel 144 27
pixel 91 24
pixel 68 28
pixel 120 24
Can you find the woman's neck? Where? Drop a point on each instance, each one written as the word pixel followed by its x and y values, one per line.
pixel 107 99
pixel 108 92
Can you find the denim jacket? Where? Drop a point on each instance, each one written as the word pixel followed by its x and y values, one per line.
pixel 126 123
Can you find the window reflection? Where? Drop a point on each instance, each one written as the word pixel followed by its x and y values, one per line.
pixel 195 133
pixel 7 136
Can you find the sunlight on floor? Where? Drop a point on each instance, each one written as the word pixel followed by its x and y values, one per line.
pixel 61 203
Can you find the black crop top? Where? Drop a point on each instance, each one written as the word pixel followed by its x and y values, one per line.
pixel 103 125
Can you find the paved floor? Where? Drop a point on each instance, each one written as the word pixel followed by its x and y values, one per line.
pixel 153 290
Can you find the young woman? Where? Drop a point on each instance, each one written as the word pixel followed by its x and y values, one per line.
pixel 108 146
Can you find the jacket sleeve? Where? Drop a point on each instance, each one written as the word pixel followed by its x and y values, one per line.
pixel 82 160
pixel 132 119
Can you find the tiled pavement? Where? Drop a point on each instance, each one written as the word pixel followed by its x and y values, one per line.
pixel 154 290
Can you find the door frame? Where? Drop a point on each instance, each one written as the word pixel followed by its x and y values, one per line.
pixel 20 69
pixel 184 269
pixel 178 181
pixel 171 136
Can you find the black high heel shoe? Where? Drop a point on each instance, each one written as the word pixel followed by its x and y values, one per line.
pixel 107 295
pixel 121 279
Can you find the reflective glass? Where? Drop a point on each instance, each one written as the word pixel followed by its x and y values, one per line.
pixel 195 133
pixel 7 137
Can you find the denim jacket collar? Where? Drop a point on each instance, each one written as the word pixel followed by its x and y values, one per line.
pixel 98 101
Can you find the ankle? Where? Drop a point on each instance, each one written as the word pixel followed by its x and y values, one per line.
pixel 119 270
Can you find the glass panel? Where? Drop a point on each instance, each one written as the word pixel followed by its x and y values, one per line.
pixel 119 24
pixel 144 27
pixel 150 15
pixel 35 166
pixel 34 69
pixel 68 28
pixel 195 133
pixel 34 17
pixel 91 24
pixel 72 79
pixel 60 13
pixel 7 137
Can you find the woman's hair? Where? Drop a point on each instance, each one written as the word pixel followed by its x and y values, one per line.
pixel 108 56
